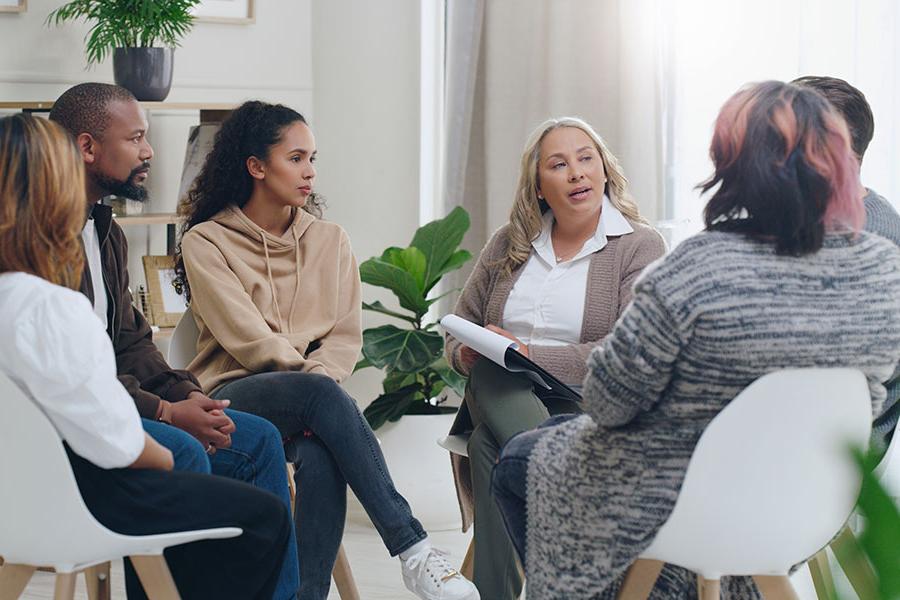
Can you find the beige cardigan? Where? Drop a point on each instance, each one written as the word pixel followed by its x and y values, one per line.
pixel 611 275
pixel 269 303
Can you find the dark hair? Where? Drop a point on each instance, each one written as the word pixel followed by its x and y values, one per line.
pixel 784 168
pixel 852 105
pixel 83 108
pixel 251 130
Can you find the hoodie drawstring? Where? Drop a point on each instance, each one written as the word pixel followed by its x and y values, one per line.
pixel 297 271
pixel 272 283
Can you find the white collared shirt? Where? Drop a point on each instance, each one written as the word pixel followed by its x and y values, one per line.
pixel 53 348
pixel 546 305
pixel 95 267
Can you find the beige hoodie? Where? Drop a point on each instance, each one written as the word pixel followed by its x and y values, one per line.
pixel 266 303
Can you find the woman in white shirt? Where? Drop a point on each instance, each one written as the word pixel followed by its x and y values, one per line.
pixel 554 280
pixel 56 350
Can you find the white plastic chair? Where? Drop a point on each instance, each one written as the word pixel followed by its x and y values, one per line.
pixel 770 482
pixel 44 521
pixel 182 350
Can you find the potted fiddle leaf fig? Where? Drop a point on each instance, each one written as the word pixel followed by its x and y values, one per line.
pixel 140 34
pixel 411 355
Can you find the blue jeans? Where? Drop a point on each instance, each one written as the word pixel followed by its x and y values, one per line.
pixel 255 457
pixel 331 446
pixel 509 478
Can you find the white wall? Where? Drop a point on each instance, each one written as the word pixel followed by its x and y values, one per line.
pixel 270 59
pixel 366 94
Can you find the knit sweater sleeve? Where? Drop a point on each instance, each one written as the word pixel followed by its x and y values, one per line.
pixel 569 363
pixel 219 299
pixel 473 300
pixel 629 371
pixel 339 348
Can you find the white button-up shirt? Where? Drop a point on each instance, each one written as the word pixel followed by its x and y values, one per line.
pixel 53 347
pixel 546 305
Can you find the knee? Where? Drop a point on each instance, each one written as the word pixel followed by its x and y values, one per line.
pixel 189 454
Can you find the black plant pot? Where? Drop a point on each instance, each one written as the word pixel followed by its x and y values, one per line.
pixel 145 72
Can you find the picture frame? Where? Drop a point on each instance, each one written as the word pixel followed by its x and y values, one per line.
pixel 200 142
pixel 15 6
pixel 166 305
pixel 229 12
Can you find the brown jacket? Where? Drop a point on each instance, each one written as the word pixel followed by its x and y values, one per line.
pixel 272 303
pixel 141 367
pixel 611 275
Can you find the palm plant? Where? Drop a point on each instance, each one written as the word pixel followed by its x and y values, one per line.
pixel 127 23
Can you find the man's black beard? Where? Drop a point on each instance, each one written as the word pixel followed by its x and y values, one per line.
pixel 123 189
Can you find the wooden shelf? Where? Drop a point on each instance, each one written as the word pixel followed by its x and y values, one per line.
pixel 150 219
pixel 46 106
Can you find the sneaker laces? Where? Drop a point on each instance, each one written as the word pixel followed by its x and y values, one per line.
pixel 435 559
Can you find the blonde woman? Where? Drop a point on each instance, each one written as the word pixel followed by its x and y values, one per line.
pixel 554 279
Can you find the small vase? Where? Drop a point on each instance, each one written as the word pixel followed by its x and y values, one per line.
pixel 145 72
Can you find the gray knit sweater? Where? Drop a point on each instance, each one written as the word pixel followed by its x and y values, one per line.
pixel 882 218
pixel 716 314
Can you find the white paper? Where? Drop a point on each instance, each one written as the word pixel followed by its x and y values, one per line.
pixel 483 341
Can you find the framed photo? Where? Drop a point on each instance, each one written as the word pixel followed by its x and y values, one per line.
pixel 199 144
pixel 166 305
pixel 15 5
pixel 235 12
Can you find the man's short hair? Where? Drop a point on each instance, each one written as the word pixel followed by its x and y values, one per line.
pixel 852 105
pixel 83 108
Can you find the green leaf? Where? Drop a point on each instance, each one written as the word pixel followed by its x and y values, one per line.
pixel 453 379
pixel 378 307
pixel 879 538
pixel 456 260
pixel 396 380
pixel 401 350
pixel 362 364
pixel 390 407
pixel 383 274
pixel 438 241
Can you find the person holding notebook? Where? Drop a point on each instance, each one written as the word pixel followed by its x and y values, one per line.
pixel 554 280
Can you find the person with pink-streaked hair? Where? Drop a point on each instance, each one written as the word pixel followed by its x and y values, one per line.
pixel 776 281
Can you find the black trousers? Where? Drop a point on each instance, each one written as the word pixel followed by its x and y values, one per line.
pixel 144 502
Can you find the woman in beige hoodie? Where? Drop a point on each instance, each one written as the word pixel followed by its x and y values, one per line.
pixel 276 295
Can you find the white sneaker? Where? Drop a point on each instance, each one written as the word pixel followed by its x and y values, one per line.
pixel 429 576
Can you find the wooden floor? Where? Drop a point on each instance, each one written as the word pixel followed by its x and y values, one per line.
pixel 376 573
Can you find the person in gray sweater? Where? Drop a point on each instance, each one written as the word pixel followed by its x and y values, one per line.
pixel 881 217
pixel 775 281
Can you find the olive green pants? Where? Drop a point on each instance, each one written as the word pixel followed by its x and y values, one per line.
pixel 501 404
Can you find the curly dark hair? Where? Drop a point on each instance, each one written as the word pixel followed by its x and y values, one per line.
pixel 251 130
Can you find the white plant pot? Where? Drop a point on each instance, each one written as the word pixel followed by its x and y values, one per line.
pixel 420 470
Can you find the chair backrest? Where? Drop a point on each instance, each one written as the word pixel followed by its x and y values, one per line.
pixel 183 345
pixel 888 470
pixel 43 518
pixel 772 478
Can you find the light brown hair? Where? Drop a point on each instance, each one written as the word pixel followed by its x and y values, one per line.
pixel 42 200
pixel 525 217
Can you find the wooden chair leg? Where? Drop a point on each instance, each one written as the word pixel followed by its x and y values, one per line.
pixel 467 569
pixel 820 571
pixel 65 586
pixel 14 579
pixel 775 587
pixel 640 579
pixel 343 577
pixel 96 581
pixel 155 577
pixel 856 566
pixel 292 489
pixel 707 589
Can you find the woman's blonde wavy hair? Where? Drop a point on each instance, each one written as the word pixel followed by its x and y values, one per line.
pixel 42 200
pixel 525 216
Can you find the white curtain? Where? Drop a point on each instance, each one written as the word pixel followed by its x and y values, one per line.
pixel 650 75
pixel 511 64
